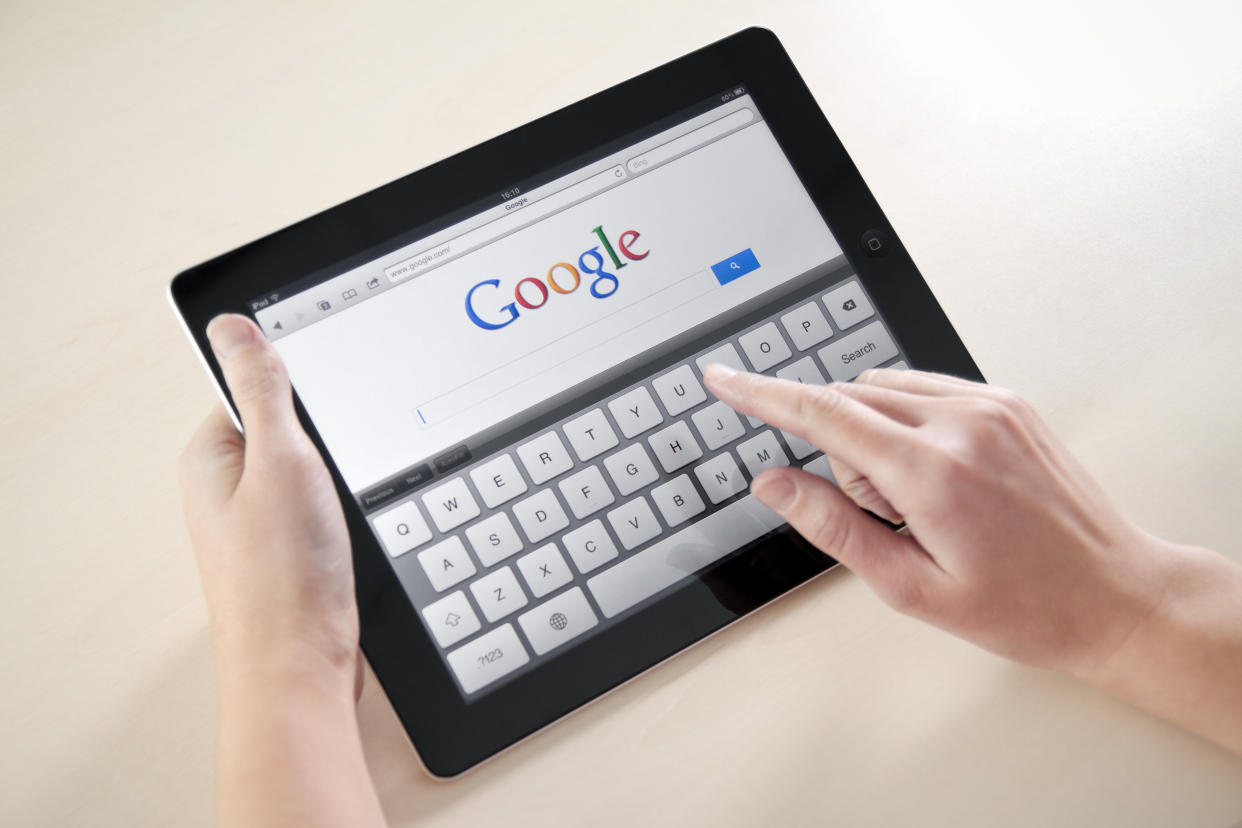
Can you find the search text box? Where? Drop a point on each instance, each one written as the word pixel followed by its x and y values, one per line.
pixel 519 375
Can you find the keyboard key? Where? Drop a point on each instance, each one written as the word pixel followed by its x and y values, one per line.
pixel 540 515
pixel 544 570
pixel 451 504
pixel 850 355
pixel 446 563
pixel 565 617
pixel 673 558
pixel 762 452
pixel 498 481
pixel 807 372
pixel 635 412
pixel 590 435
pixel 798 447
pixel 718 425
pixel 488 658
pixel 720 477
pixel 900 365
pixel 590 546
pixel 451 619
pixel 848 305
pixel 765 347
pixel 493 539
pixel 806 326
pixel 401 529
pixel 634 522
pixel 726 354
pixel 804 371
pixel 498 594
pixel 631 469
pixel 677 500
pixel 545 457
pixel 821 467
pixel 679 390
pixel 586 492
pixel 675 446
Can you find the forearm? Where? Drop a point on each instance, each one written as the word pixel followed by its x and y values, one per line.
pixel 1184 661
pixel 290 752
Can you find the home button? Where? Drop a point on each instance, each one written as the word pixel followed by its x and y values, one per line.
pixel 875 243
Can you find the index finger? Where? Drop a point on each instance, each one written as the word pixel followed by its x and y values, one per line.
pixel 840 425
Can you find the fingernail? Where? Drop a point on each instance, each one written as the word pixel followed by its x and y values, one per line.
pixel 776 491
pixel 228 334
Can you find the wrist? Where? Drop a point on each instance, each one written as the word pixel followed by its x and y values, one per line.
pixel 1165 576
pixel 285 667
pixel 1184 661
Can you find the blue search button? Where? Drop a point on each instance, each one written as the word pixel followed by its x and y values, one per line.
pixel 735 266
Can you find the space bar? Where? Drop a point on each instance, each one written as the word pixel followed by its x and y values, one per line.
pixel 682 554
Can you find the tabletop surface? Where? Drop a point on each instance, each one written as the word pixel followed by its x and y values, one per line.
pixel 1066 175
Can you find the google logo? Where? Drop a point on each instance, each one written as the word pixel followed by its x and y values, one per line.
pixel 563 278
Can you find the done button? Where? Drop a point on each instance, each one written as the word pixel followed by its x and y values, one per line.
pixel 735 266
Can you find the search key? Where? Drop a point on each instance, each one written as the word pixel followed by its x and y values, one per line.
pixel 735 266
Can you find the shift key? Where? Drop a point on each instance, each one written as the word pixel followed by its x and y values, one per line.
pixel 850 355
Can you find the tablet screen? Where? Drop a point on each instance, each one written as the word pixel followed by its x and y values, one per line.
pixel 515 398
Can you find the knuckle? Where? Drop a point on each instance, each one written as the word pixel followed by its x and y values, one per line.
pixel 990 411
pixel 904 594
pixel 861 491
pixel 817 403
pixel 260 378
pixel 1013 402
pixel 832 532
pixel 947 466
pixel 1005 397
pixel 856 488
pixel 1022 410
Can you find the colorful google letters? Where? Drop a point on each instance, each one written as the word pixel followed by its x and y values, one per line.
pixel 562 277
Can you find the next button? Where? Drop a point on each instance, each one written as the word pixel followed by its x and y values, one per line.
pixel 735 266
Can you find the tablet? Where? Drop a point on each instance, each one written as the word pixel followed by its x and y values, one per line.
pixel 501 359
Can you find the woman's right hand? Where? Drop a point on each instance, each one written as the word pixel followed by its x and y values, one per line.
pixel 1011 544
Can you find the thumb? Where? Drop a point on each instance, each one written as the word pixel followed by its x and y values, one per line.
pixel 893 565
pixel 255 376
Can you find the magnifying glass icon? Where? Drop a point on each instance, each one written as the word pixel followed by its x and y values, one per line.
pixel 734 266
pixel 402 529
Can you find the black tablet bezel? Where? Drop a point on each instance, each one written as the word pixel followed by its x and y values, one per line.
pixel 449 732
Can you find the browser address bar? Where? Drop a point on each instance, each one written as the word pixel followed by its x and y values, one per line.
pixel 529 213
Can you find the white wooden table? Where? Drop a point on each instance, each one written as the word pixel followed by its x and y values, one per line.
pixel 1068 178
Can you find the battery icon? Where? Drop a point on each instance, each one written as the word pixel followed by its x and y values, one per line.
pixel 739 91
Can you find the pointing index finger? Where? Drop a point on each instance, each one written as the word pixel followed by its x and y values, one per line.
pixel 840 425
